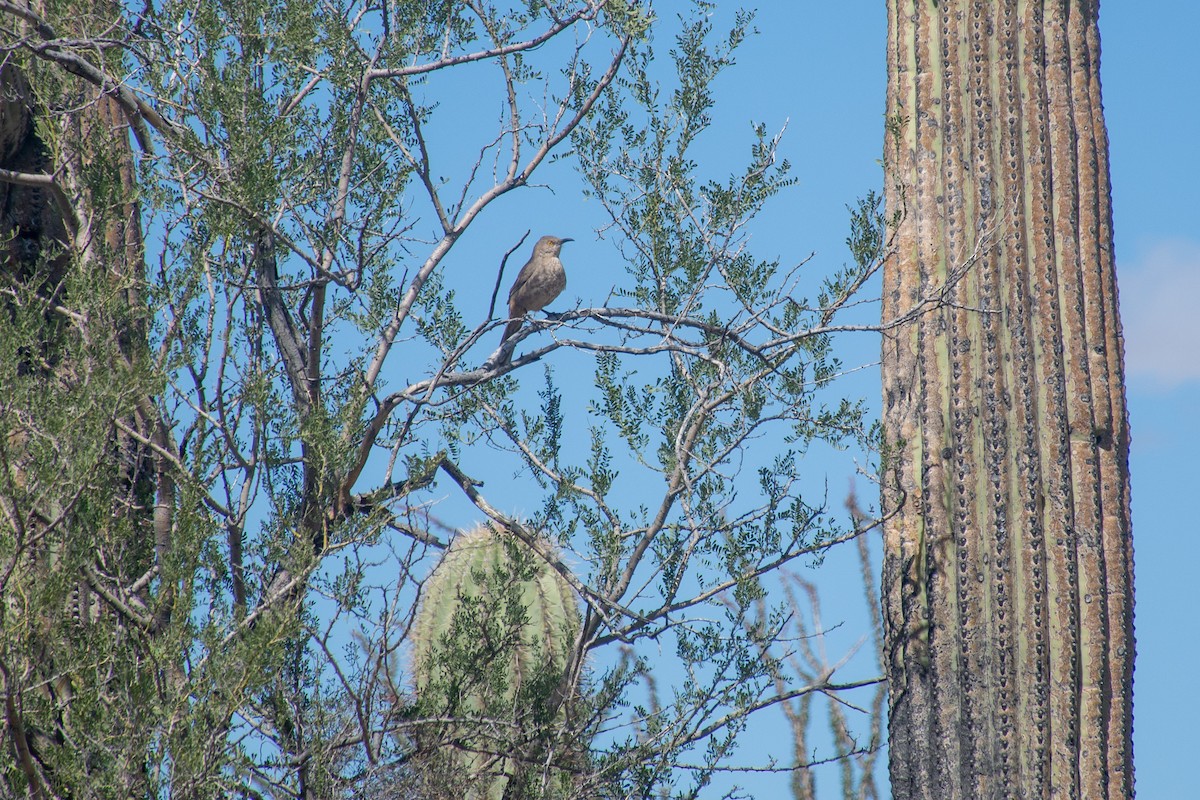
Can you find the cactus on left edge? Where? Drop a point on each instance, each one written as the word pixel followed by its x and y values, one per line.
pixel 492 639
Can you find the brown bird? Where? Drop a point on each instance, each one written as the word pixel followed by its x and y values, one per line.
pixel 540 281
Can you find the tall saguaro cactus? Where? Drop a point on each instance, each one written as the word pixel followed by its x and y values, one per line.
pixel 86 492
pixel 1008 574
pixel 492 644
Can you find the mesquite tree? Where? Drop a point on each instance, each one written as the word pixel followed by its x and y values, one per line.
pixel 1008 574
pixel 246 399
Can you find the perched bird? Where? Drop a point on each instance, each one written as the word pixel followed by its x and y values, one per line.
pixel 540 281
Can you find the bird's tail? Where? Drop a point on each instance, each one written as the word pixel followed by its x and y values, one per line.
pixel 512 327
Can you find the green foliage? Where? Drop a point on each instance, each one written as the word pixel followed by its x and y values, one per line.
pixel 68 393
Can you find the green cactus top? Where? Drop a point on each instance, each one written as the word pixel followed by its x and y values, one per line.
pixel 495 623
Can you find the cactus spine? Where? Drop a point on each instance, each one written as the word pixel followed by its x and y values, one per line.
pixel 491 641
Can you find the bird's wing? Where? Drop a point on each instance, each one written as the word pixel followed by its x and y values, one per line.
pixel 522 279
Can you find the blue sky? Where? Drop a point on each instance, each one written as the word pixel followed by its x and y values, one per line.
pixel 818 69
pixel 1152 107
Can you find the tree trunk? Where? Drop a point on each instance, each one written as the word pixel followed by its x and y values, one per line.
pixel 1008 571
